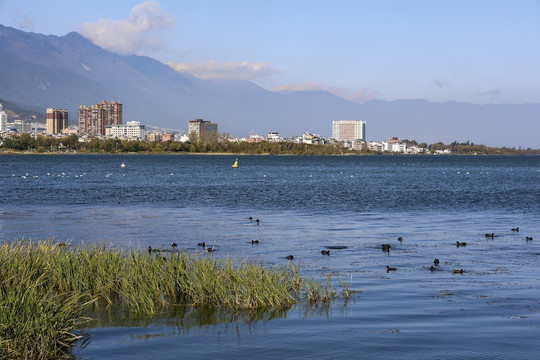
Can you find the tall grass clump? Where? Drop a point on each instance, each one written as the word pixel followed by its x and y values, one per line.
pixel 46 287
pixel 36 321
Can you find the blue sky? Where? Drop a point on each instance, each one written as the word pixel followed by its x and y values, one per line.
pixel 469 51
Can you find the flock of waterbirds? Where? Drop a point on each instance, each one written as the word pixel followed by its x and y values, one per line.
pixel 385 247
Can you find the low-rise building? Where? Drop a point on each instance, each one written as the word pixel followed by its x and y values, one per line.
pixel 131 130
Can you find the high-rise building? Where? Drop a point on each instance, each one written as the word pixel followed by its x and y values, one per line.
pixel 57 120
pixel 349 130
pixel 93 120
pixel 3 119
pixel 202 129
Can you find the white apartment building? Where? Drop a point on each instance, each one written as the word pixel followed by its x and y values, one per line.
pixel 3 119
pixel 349 130
pixel 131 130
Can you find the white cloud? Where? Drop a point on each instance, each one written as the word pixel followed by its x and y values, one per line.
pixel 359 95
pixel 130 36
pixel 440 83
pixel 24 21
pixel 213 70
pixel 492 94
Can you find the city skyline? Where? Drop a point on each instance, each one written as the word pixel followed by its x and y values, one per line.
pixel 478 52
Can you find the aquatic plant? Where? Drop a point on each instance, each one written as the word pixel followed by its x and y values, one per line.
pixel 47 286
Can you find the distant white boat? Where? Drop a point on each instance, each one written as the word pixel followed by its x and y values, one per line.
pixel 122 165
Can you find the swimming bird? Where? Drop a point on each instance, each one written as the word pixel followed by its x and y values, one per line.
pixel 257 221
pixel 210 249
pixel 432 268
pixel 203 244
pixel 254 242
pixel 289 257
pixel 458 244
pixel 436 262
pixel 150 250
pixel 492 235
pixel 174 245
pixel 386 247
pixel 250 218
pixel 516 229
pixel 457 271
pixel 325 252
pixel 400 239
pixel 388 268
pixel 528 238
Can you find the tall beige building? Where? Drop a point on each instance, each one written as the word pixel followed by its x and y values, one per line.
pixel 57 120
pixel 202 129
pixel 93 120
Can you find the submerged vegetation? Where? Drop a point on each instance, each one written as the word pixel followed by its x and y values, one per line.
pixel 48 287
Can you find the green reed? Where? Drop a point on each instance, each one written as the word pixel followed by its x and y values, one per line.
pixel 47 286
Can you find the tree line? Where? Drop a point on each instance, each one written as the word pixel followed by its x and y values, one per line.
pixel 71 143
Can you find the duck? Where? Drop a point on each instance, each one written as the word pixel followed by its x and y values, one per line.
pixel 254 242
pixel 528 238
pixel 386 247
pixel 516 229
pixel 388 268
pixel 436 262
pixel 203 244
pixel 400 239
pixel 174 245
pixel 150 250
pixel 492 235
pixel 289 257
pixel 250 218
pixel 325 252
pixel 457 271
pixel 458 244
pixel 432 268
pixel 210 249
pixel 257 221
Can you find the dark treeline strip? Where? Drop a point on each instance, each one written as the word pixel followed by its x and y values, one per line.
pixel 44 144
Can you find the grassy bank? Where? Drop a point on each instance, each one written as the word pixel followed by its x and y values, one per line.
pixel 47 287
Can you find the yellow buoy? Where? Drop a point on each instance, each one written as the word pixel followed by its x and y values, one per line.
pixel 235 165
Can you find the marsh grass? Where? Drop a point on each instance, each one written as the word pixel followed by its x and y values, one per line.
pixel 47 286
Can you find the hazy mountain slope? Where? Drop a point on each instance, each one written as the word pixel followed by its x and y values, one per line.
pixel 68 71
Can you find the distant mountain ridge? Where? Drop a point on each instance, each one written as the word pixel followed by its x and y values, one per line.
pixel 68 71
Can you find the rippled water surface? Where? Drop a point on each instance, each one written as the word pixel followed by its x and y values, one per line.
pixel 305 205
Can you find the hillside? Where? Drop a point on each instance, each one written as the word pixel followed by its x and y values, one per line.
pixel 68 71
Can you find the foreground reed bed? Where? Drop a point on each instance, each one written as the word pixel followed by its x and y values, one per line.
pixel 47 287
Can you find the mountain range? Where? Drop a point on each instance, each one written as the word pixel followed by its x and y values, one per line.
pixel 41 71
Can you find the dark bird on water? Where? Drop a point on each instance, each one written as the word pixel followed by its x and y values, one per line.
pixel 210 249
pixel 257 221
pixel 457 271
pixel 436 262
pixel 458 244
pixel 432 268
pixel 400 239
pixel 386 247
pixel 203 244
pixel 150 250
pixel 250 218
pixel 388 268
pixel 254 242
pixel 528 238
pixel 289 257
pixel 325 252
pixel 516 229
pixel 174 245
pixel 492 235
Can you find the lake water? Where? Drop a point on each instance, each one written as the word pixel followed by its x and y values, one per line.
pixel 306 204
